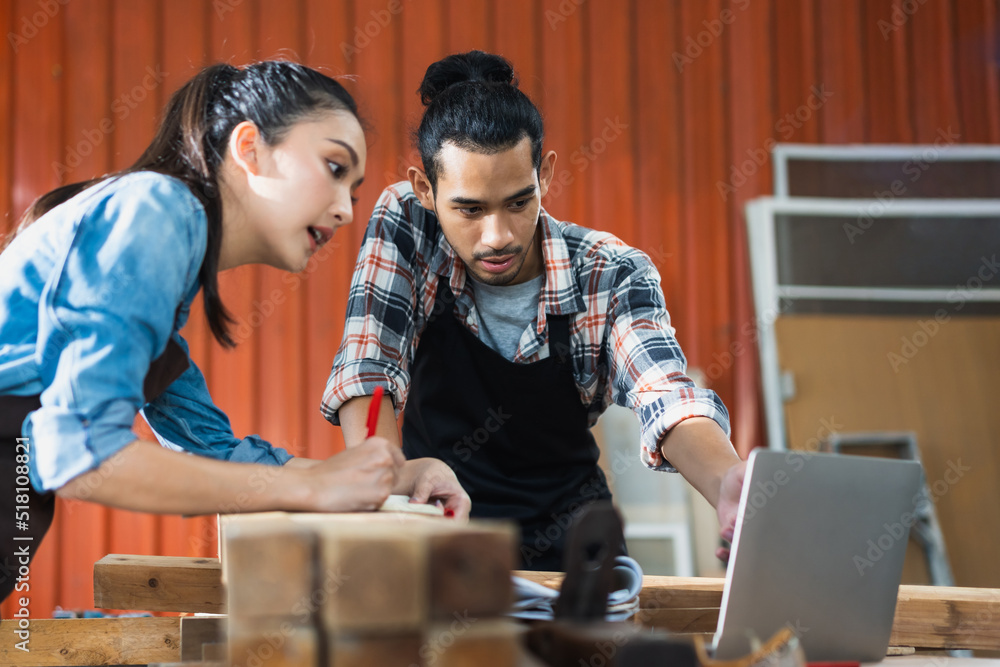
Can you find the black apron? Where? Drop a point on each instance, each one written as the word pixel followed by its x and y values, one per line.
pixel 41 507
pixel 516 435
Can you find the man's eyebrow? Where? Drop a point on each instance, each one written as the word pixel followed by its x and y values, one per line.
pixel 468 201
pixel 350 149
pixel 522 193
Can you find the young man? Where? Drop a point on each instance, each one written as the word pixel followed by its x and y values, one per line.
pixel 506 333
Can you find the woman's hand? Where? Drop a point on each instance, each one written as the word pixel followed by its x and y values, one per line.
pixel 429 479
pixel 357 479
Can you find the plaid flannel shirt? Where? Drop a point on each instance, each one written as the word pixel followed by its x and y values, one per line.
pixel 622 345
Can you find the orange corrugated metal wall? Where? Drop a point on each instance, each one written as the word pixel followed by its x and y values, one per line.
pixel 653 106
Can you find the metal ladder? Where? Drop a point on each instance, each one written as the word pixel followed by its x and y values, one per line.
pixel 926 530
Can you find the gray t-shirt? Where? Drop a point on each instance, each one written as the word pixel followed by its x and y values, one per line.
pixel 505 311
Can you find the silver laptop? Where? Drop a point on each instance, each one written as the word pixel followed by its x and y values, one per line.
pixel 819 547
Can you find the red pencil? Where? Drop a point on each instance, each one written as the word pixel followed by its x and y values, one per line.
pixel 373 410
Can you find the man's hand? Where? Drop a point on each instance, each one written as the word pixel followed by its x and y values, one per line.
pixel 729 502
pixel 429 479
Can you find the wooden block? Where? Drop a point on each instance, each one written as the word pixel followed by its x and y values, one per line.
pixel 370 650
pixel 199 630
pixel 92 641
pixel 470 570
pixel 270 568
pixel 214 652
pixel 381 575
pixel 158 583
pixel 263 642
pixel 468 642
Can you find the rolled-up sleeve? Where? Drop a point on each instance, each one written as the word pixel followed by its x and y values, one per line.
pixel 648 368
pixel 105 313
pixel 379 328
pixel 184 417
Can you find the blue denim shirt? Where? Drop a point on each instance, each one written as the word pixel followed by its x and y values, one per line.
pixel 89 296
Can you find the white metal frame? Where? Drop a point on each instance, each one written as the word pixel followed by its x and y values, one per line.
pixel 679 534
pixel 874 152
pixel 768 292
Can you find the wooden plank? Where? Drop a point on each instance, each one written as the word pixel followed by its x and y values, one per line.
pixel 197 631
pixel 682 620
pixel 158 583
pixel 94 641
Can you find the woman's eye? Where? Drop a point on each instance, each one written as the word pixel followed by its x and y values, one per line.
pixel 337 169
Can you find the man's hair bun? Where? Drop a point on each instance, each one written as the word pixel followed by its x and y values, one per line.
pixel 465 68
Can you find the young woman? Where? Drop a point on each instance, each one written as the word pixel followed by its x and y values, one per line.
pixel 251 165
